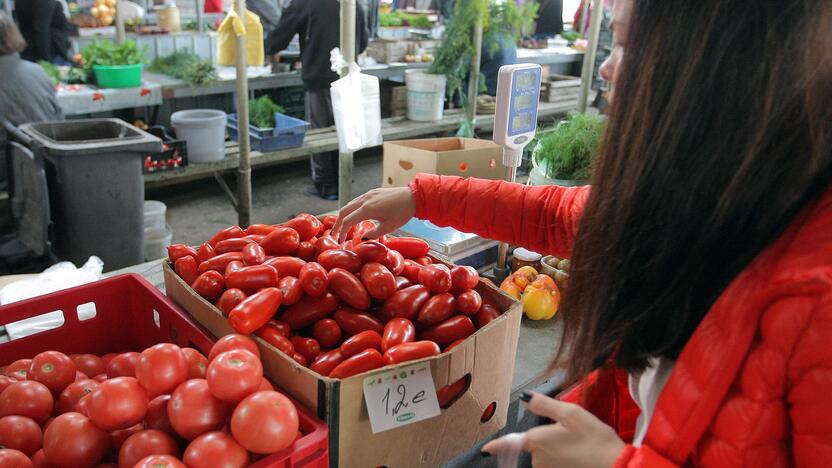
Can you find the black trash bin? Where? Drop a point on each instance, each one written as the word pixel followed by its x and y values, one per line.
pixel 96 189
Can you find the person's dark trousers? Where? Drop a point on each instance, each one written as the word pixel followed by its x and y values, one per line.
pixel 324 165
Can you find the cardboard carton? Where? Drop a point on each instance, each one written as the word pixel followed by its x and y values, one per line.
pixel 487 357
pixel 465 157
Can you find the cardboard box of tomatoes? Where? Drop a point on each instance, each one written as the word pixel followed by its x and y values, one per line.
pixel 466 333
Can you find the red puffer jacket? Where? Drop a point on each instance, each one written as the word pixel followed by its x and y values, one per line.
pixel 753 386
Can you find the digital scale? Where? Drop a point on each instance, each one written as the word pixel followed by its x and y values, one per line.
pixel 515 124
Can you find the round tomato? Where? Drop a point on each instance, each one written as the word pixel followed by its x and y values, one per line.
pixel 327 332
pixel 73 393
pixel 53 369
pixel 265 422
pixel 27 398
pixel 118 437
pixel 159 461
pixel 123 365
pixel 18 369
pixel 20 433
pixel 117 403
pixel 157 415
pixel 265 385
pixel 230 298
pixel 233 341
pixel 39 460
pixel 146 443
pixel 215 450
pixel 162 368
pixel 11 458
pixel 5 381
pixel 72 440
pixel 89 364
pixel 193 411
pixel 234 374
pixel 197 363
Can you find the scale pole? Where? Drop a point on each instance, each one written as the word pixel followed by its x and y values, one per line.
pixel 244 169
pixel 345 160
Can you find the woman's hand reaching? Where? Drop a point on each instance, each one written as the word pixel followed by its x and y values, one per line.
pixel 576 439
pixel 390 207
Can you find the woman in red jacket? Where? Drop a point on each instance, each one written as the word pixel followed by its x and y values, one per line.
pixel 702 255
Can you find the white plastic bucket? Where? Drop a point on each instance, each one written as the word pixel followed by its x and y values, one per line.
pixel 425 96
pixel 156 242
pixel 154 214
pixel 204 132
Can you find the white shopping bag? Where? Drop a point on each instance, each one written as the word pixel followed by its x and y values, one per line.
pixel 356 105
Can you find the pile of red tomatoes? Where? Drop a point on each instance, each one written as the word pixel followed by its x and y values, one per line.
pixel 166 407
pixel 340 309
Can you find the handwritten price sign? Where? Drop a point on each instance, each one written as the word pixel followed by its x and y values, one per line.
pixel 400 397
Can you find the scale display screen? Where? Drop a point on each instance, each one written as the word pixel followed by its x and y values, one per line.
pixel 524 81
pixel 523 102
pixel 521 121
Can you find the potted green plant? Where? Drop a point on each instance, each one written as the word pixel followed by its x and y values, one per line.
pixel 564 154
pixel 115 65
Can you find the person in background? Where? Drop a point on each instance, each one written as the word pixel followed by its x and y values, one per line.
pixel 45 29
pixel 698 315
pixel 269 12
pixel 316 23
pixel 549 18
pixel 26 92
pixel 492 60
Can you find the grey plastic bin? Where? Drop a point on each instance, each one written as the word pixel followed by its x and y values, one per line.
pixel 96 189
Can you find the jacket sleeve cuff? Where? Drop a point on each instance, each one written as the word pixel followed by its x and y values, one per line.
pixel 624 457
pixel 417 188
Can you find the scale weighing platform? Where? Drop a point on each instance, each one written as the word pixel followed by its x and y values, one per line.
pixel 452 246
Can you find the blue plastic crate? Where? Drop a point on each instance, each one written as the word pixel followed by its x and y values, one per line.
pixel 289 133
pixel 285 124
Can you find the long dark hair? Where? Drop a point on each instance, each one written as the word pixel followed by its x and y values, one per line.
pixel 720 132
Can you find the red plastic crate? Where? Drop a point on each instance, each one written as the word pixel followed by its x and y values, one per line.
pixel 132 315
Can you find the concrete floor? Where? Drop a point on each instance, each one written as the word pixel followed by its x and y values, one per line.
pixel 197 210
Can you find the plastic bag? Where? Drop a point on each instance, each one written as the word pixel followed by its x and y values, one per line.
pixel 60 276
pixel 356 105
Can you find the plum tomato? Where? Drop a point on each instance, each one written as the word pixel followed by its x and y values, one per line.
pixel 309 310
pixel 205 252
pixel 378 280
pixel 409 247
pixel 309 348
pixel 209 285
pixel 452 329
pixel 340 258
pixel 486 314
pixel 468 302
pixel 230 299
pixel 291 289
pixel 406 302
pixel 306 225
pixel 411 270
pixel 410 352
pixel 282 241
pixel 437 309
pixel 364 361
pixel 463 277
pixel 353 345
pixel 353 321
pixel 187 269
pixel 436 277
pixel 313 279
pixel 371 251
pixel 348 289
pixel 394 262
pixel 397 331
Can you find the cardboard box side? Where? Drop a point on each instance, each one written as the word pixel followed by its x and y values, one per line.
pixel 402 163
pixel 483 163
pixel 279 368
pixel 434 441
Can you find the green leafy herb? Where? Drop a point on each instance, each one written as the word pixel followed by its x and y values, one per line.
pixel 185 66
pixel 567 151
pixel 570 36
pixel 108 53
pixel 390 20
pixel 261 112
pixel 51 71
pixel 400 18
